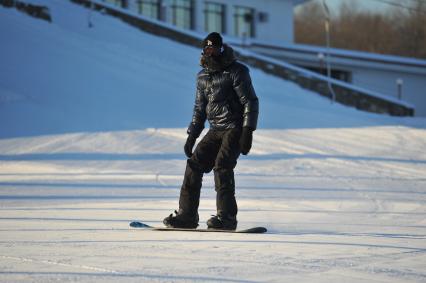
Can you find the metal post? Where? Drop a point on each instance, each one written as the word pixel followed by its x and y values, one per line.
pixel 327 32
pixel 321 62
pixel 399 83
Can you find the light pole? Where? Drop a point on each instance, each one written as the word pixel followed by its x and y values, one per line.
pixel 327 35
pixel 399 83
pixel 321 62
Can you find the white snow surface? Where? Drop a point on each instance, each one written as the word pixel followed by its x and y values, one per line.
pixel 92 125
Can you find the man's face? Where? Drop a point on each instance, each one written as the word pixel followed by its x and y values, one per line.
pixel 211 50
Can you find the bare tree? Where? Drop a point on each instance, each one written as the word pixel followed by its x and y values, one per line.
pixel 410 27
pixel 400 30
pixel 309 27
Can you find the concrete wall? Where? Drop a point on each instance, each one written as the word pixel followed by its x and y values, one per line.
pixel 413 88
pixel 374 72
pixel 36 11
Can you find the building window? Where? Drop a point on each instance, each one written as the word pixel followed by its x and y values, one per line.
pixel 244 22
pixel 149 8
pixel 182 11
pixel 214 16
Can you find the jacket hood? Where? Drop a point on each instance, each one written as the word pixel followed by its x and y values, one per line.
pixel 228 56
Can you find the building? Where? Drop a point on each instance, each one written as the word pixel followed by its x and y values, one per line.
pixel 243 19
pixel 266 27
pixel 393 76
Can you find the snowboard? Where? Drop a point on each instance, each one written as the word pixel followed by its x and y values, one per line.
pixel 253 230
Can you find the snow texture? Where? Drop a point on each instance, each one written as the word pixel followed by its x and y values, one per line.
pixel 92 126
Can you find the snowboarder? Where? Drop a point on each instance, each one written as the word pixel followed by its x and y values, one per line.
pixel 226 98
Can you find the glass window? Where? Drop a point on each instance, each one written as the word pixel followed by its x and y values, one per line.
pixel 244 22
pixel 182 13
pixel 214 16
pixel 149 8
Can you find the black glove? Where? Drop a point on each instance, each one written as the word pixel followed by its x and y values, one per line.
pixel 246 140
pixel 190 141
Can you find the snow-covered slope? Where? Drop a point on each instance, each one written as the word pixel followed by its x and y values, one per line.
pixel 64 77
pixel 92 125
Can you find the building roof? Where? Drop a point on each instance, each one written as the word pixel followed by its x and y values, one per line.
pixel 360 56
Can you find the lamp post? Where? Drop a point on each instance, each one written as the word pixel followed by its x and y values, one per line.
pixel 321 62
pixel 399 83
pixel 327 35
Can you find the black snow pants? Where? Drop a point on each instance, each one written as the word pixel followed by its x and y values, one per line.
pixel 218 150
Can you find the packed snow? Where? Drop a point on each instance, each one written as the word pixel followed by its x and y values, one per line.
pixel 92 127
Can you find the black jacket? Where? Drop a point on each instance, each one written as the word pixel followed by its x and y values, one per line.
pixel 224 97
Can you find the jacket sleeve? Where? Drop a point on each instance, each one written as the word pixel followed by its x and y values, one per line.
pixel 199 114
pixel 247 96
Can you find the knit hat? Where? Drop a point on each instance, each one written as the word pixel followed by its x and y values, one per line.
pixel 213 39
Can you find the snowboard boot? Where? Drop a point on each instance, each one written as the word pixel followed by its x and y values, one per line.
pixel 181 220
pixel 222 222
